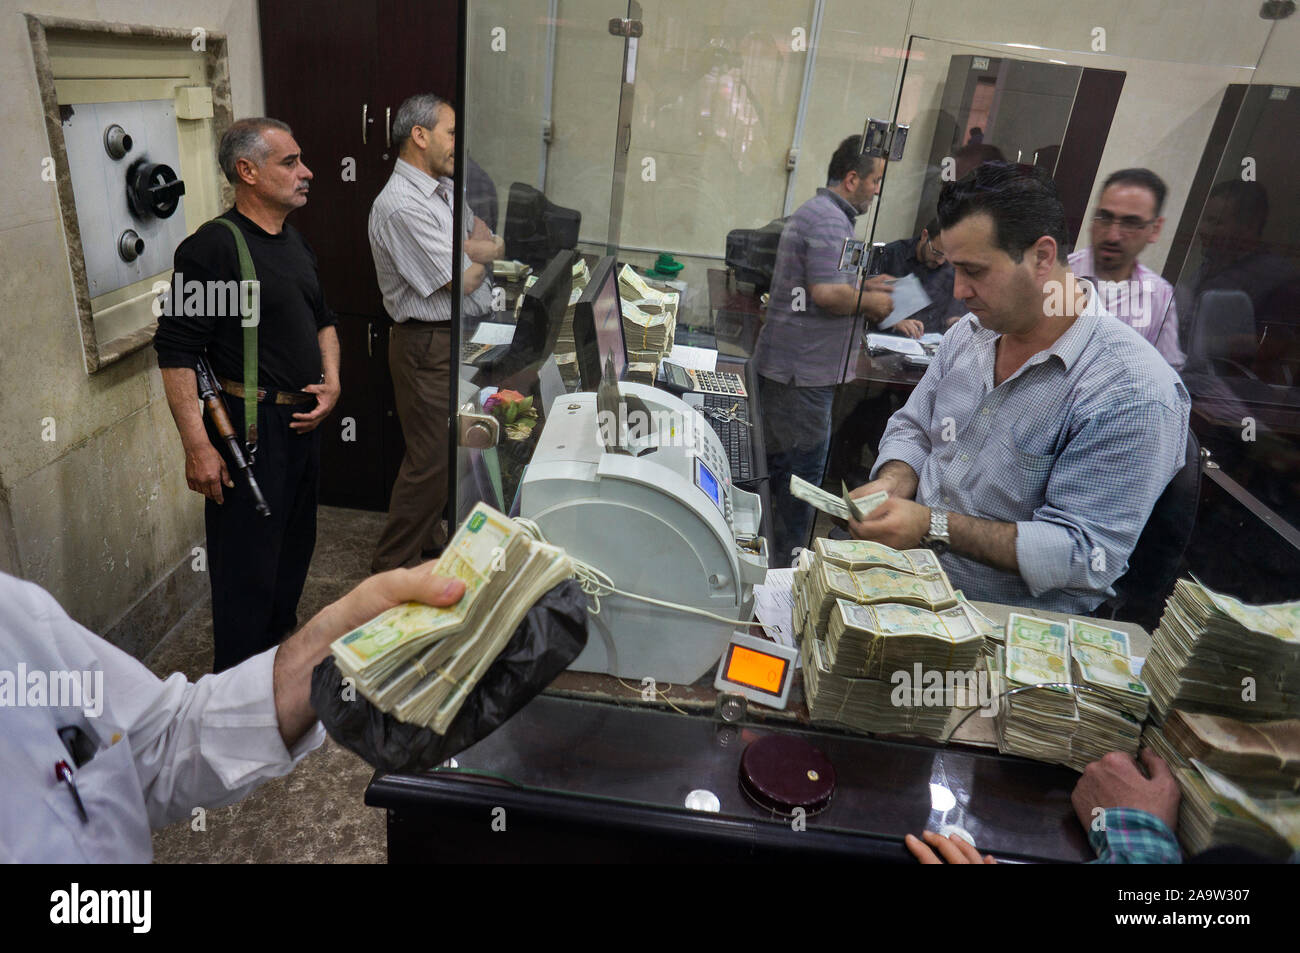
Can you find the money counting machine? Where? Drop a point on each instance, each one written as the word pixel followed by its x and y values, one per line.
pixel 636 483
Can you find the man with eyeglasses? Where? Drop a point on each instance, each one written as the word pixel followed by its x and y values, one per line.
pixel 1126 221
pixel 924 257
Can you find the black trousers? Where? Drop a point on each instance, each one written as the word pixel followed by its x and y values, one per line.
pixel 258 564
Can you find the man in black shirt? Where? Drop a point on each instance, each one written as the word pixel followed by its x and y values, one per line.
pixel 258 565
pixel 924 258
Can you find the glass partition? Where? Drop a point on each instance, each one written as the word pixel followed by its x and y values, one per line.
pixel 659 156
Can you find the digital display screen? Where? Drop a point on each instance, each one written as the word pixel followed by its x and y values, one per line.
pixel 755 670
pixel 707 482
pixel 609 325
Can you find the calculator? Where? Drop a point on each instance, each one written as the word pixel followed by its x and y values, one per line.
pixel 682 379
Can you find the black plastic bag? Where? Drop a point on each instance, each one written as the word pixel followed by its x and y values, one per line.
pixel 550 637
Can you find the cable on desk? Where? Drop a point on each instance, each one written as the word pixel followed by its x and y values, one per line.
pixel 662 694
pixel 596 583
pixel 1017 691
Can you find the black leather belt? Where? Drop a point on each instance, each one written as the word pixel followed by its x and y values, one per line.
pixel 267 394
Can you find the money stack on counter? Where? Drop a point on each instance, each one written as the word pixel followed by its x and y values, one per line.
pixel 566 351
pixel 1096 706
pixel 1215 654
pixel 1262 761
pixel 1112 701
pixel 1037 722
pixel 649 325
pixel 867 612
pixel 1263 757
pixel 419 663
pixel 1225 690
pixel 1216 812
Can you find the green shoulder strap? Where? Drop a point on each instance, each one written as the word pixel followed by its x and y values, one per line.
pixel 249 320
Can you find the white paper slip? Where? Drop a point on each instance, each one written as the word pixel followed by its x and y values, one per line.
pixel 774 606
pixel 694 358
pixel 933 339
pixel 490 332
pixel 895 344
pixel 909 298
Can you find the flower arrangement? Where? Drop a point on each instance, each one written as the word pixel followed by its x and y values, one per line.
pixel 515 412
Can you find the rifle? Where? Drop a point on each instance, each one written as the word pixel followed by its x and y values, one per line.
pixel 216 408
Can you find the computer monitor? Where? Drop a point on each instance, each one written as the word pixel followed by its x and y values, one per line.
pixel 536 228
pixel 540 316
pixel 598 325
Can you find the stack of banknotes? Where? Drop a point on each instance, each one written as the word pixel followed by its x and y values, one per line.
pixel 649 325
pixel 419 663
pixel 1039 718
pixel 1112 701
pixel 875 622
pixel 874 641
pixel 1263 757
pixel 566 351
pixel 821 577
pixel 1073 694
pixel 1214 653
pixel 867 704
pixel 1216 812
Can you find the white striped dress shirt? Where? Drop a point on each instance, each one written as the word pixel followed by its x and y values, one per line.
pixel 410 230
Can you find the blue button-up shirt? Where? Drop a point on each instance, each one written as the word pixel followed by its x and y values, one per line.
pixel 802 343
pixel 1074 448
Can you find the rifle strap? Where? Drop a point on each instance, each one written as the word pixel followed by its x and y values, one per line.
pixel 250 300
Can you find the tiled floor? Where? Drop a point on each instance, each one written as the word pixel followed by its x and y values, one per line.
pixel 316 813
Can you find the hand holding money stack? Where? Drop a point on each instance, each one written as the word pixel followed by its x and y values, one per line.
pixel 419 663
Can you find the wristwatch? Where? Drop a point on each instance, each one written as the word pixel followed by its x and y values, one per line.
pixel 937 539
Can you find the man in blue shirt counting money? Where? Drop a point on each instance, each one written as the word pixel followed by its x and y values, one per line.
pixel 1031 453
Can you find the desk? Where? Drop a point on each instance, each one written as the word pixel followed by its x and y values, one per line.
pixel 588 771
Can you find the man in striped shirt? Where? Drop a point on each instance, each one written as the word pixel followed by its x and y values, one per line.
pixel 410 229
pixel 1034 448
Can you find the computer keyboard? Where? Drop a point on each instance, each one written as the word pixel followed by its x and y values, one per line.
pixel 735 436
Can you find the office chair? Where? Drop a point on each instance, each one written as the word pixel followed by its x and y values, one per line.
pixel 1224 318
pixel 536 228
pixel 751 253
pixel 1141 592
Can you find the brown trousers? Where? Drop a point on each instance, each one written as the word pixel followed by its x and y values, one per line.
pixel 419 357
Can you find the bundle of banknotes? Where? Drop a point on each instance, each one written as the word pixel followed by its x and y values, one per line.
pixel 868 704
pixel 649 323
pixel 841 507
pixel 1214 653
pixel 419 663
pixel 873 641
pixel 825 583
pixel 1216 812
pixel 867 613
pixel 1074 694
pixel 1263 756
pixel 566 351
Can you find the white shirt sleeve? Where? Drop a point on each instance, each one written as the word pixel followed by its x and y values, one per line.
pixel 162 747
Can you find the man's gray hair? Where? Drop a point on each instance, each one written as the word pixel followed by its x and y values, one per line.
pixel 418 110
pixel 243 140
